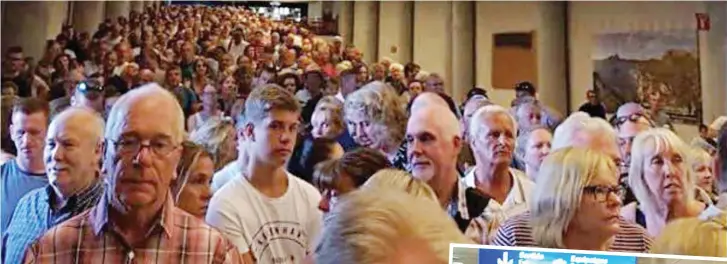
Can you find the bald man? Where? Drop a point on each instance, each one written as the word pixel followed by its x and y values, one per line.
pixel 434 142
pixel 71 156
pixel 143 145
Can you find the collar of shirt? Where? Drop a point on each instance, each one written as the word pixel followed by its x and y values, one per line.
pixel 78 200
pixel 516 196
pixel 99 215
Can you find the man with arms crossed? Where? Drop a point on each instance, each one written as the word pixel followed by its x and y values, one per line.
pixel 270 215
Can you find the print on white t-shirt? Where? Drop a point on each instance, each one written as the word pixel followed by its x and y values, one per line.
pixel 273 230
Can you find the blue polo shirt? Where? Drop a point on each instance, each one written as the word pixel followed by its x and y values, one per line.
pixel 14 184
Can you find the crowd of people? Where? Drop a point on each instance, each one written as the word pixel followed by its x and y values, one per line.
pixel 195 134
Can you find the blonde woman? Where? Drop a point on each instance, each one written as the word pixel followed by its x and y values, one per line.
pixel 392 179
pixel 575 205
pixel 327 118
pixel 700 162
pixel 703 236
pixel 661 181
pixel 218 137
pixel 376 119
pixel 191 189
pixel 387 226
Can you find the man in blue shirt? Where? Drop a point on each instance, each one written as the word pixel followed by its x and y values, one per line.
pixel 29 121
pixel 72 154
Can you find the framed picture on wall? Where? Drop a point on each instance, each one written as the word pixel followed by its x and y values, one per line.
pixel 514 59
pixel 650 67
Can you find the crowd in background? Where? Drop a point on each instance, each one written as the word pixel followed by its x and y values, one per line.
pixel 188 134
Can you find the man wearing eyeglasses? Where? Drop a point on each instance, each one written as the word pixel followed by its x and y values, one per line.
pixel 141 152
pixel 629 121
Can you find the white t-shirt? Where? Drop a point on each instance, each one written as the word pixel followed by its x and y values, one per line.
pixel 274 230
pixel 225 175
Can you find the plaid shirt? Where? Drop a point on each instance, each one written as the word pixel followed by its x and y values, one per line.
pixel 34 215
pixel 91 237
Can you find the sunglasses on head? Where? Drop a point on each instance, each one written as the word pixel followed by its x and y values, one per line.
pixel 632 117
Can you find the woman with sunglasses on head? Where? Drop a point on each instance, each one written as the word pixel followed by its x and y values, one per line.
pixel 210 109
pixel 575 205
pixel 661 181
pixel 191 189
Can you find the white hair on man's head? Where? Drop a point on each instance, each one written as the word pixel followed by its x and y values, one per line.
pixel 566 131
pixel 396 66
pixel 446 121
pixel 371 226
pixel 476 123
pixel 427 99
pixel 93 122
pixel 151 91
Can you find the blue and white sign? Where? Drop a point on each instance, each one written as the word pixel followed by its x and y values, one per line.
pixel 506 256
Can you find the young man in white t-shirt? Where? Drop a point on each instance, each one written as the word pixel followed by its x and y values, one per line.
pixel 269 214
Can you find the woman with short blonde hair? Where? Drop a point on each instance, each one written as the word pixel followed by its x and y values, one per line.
pixel 703 236
pixel 392 179
pixel 700 161
pixel 217 136
pixel 327 118
pixel 661 180
pixel 376 118
pixel 387 226
pixel 575 205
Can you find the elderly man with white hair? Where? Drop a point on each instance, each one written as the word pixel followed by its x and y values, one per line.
pixel 492 138
pixel 142 148
pixel 72 152
pixel 434 142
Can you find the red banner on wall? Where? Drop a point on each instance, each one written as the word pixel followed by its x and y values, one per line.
pixel 703 23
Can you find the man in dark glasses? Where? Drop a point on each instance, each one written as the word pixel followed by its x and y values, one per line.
pixel 629 121
pixel 89 93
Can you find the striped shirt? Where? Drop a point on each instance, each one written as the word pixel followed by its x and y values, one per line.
pixel 517 231
pixel 34 215
pixel 91 237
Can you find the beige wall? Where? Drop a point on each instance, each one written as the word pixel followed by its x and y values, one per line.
pixel 431 44
pixel 588 18
pixel 87 15
pixel 395 30
pixel 546 20
pixel 365 28
pixel 40 21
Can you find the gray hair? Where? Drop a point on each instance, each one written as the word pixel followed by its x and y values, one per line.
pixel 211 136
pixel 151 91
pixel 94 122
pixel 476 125
pixel 381 105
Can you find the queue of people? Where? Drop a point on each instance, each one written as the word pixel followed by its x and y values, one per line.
pixel 190 134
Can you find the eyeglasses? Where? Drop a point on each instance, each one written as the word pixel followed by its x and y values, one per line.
pixel 132 146
pixel 601 192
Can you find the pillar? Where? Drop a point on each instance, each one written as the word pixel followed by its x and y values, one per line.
pixel 365 28
pixel 115 9
pixel 395 30
pixel 713 61
pixel 432 42
pixel 148 3
pixel 463 62
pixel 137 6
pixel 30 24
pixel 87 15
pixel 315 10
pixel 344 11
